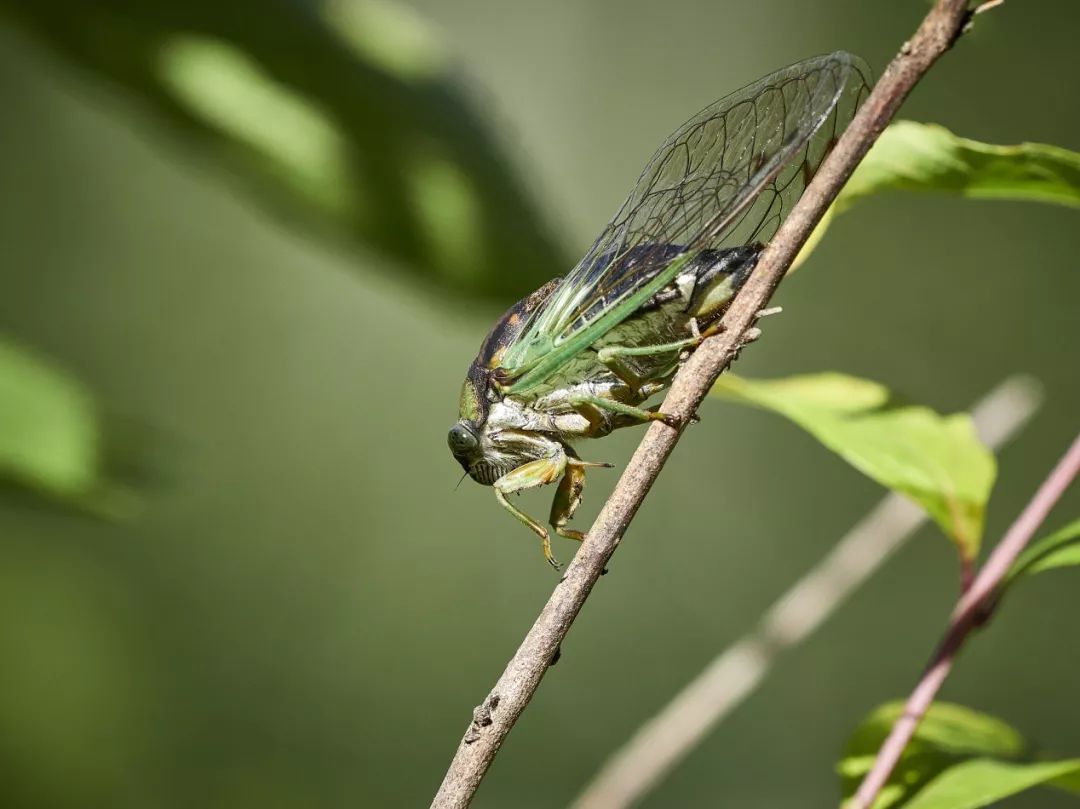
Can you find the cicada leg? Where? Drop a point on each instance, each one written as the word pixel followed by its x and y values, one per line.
pixel 582 401
pixel 529 476
pixel 568 497
pixel 614 357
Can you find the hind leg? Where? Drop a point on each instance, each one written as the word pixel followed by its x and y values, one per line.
pixel 614 357
pixel 583 403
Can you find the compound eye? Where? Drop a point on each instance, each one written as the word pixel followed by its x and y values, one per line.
pixel 461 439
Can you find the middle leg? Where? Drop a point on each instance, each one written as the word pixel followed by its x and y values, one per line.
pixel 568 497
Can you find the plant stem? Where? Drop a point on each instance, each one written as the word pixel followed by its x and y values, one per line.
pixel 494 718
pixel 724 684
pixel 966 616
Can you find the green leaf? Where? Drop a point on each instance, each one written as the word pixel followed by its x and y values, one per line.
pixel 910 156
pixel 937 461
pixel 947 729
pixel 345 117
pixel 1070 782
pixel 51 439
pixel 981 782
pixel 958 759
pixel 1060 549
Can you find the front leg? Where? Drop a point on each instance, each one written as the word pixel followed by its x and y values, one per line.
pixel 529 476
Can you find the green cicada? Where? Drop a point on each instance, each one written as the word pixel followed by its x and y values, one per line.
pixel 580 357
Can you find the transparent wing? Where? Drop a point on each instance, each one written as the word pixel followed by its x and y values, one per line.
pixel 726 177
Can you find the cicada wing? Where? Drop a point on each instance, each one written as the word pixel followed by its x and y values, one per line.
pixel 726 177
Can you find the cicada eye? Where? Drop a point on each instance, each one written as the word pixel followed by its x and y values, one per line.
pixel 462 440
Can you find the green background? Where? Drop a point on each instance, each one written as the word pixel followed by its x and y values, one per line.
pixel 306 610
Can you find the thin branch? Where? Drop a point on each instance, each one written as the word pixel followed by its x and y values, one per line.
pixel 494 718
pixel 967 616
pixel 986 6
pixel 665 740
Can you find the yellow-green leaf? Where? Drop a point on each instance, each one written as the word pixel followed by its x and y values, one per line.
pixel 982 782
pixel 51 439
pixel 1060 549
pixel 949 729
pixel 958 759
pixel 937 461
pixel 911 156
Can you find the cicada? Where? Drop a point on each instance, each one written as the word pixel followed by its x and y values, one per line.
pixel 582 355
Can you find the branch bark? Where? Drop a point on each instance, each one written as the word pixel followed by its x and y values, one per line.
pixel 664 741
pixel 494 718
pixel 969 614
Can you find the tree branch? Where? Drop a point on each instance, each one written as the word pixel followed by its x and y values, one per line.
pixel 494 718
pixel 968 614
pixel 661 743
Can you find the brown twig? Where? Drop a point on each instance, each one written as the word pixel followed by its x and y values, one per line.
pixel 506 701
pixel 967 616
pixel 725 683
pixel 985 6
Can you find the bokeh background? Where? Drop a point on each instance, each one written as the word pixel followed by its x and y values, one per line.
pixel 295 607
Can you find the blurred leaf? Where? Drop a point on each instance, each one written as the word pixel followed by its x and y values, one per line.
pixel 1069 782
pixel 981 782
pixel 937 461
pixel 815 237
pixel 947 730
pixel 1060 549
pixel 910 156
pixel 50 435
pixel 344 115
pixel 958 759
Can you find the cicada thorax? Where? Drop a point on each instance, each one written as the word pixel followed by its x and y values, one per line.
pixel 694 300
pixel 513 428
pixel 479 391
pixel 493 437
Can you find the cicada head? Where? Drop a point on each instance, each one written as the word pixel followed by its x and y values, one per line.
pixel 489 451
pixel 465 436
pixel 491 439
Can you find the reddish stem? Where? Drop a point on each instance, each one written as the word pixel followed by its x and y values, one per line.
pixel 967 573
pixel 965 617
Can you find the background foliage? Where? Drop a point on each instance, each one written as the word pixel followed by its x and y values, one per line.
pixel 304 610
